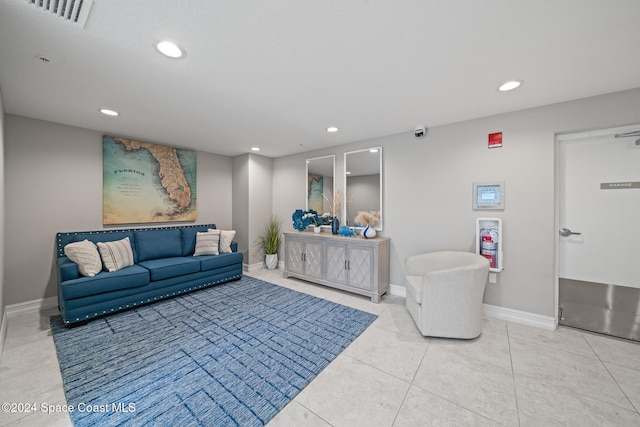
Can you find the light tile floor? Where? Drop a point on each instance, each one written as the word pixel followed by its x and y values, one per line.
pixel 512 375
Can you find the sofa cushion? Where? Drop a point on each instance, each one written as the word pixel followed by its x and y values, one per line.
pixel 207 243
pixel 104 281
pixel 210 262
pixel 116 255
pixel 170 267
pixel 85 254
pixel 156 244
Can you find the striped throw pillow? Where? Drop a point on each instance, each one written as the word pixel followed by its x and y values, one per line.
pixel 207 243
pixel 116 255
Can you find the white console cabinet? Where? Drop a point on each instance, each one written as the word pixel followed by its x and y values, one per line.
pixel 352 264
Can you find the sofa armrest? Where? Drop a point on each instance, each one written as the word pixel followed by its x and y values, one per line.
pixel 234 246
pixel 67 269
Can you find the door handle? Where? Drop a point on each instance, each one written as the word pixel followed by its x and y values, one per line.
pixel 565 232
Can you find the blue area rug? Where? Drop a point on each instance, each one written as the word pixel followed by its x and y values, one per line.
pixel 230 355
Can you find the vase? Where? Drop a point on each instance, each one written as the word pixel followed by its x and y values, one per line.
pixel 271 261
pixel 317 229
pixel 335 225
pixel 368 232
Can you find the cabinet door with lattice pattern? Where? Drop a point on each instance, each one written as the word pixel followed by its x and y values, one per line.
pixel 313 259
pixel 360 265
pixel 336 263
pixel 295 255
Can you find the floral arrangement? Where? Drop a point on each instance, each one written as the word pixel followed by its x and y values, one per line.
pixel 367 218
pixel 303 219
pixel 324 219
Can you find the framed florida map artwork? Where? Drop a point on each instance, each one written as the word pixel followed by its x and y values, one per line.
pixel 146 183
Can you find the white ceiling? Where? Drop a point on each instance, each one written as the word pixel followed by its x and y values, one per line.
pixel 276 74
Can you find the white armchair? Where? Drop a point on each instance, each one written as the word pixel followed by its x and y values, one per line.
pixel 445 292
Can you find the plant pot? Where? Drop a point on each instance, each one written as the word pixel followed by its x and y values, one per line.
pixel 317 229
pixel 271 261
pixel 335 225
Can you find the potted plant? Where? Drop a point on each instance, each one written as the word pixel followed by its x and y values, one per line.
pixel 269 241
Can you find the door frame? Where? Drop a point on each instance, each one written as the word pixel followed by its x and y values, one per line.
pixel 560 137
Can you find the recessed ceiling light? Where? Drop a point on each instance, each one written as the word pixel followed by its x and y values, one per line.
pixel 108 112
pixel 170 49
pixel 347 173
pixel 332 129
pixel 510 85
pixel 373 150
pixel 255 148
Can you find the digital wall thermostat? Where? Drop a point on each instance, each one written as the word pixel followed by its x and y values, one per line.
pixel 488 195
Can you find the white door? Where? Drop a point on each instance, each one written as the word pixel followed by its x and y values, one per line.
pixel 599 232
pixel 600 199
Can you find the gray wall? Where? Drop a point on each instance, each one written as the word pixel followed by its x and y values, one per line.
pixel 53 182
pixel 241 203
pixel 2 215
pixel 252 188
pixel 53 176
pixel 427 189
pixel 260 202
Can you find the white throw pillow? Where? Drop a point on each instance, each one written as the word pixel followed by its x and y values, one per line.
pixel 207 243
pixel 86 255
pixel 226 237
pixel 116 255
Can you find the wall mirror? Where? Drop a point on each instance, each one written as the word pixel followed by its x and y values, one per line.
pixel 320 183
pixel 363 185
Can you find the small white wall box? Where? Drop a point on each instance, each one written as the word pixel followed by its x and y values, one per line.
pixel 488 195
pixel 489 241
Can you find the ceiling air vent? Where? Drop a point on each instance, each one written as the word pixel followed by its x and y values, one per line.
pixel 74 11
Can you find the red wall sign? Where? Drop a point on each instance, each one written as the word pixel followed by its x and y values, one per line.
pixel 495 140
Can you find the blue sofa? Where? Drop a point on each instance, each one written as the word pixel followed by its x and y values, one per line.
pixel 164 267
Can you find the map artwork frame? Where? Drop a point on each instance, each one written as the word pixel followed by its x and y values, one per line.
pixel 144 182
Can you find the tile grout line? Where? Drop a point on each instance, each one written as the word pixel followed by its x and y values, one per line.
pixel 610 374
pixel 445 398
pixel 308 409
pixel 513 374
pixel 424 355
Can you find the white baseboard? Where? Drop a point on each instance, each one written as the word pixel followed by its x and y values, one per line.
pixel 261 266
pixel 521 317
pixel 397 290
pixel 252 267
pixel 34 305
pixel 502 313
pixel 3 330
pixel 22 307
